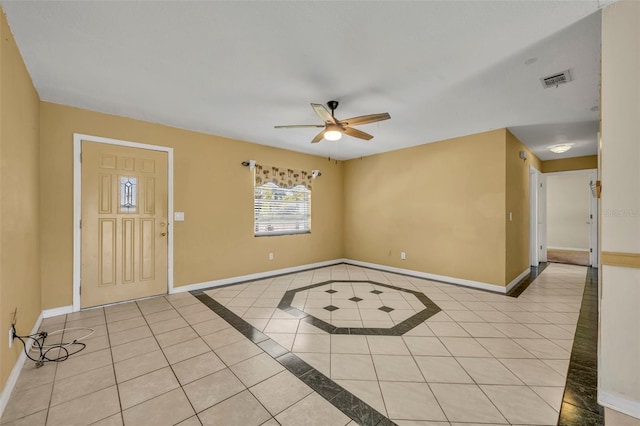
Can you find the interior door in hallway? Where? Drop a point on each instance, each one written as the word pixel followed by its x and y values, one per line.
pixel 124 223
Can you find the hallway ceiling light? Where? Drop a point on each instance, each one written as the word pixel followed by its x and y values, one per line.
pixel 560 148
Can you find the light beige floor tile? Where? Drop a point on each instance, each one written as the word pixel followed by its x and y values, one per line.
pixel 282 326
pixel 52 323
pixel 131 335
pixel 481 329
pixel 397 368
pixel 534 372
pixel 307 328
pixel 387 345
pixel 419 330
pixel 191 421
pixel 450 329
pixel 241 409
pixel 424 345
pixel 193 309
pixel 313 410
pixel 520 405
pixel 552 395
pixel 238 351
pixel 464 316
pixel 212 389
pixel 258 312
pixel 258 323
pixel 140 365
pixel 199 317
pixel 121 307
pixel 83 384
pixel 410 401
pixel 504 348
pixel 317 343
pixel 495 317
pixel 283 339
pixel 86 409
pixel 462 346
pixel 167 409
pixel 210 326
pixel 349 344
pixel 321 362
pixel 256 369
pixel 185 350
pixel 368 391
pixel 85 314
pixel 86 322
pixel 143 388
pixel 25 403
pixel 559 365
pixel 543 348
pixel 174 337
pixel 516 331
pixel 280 392
pixel 92 344
pixel 223 338
pixel 151 306
pixel 550 331
pixel 133 349
pixel 35 419
pixel 199 366
pixel 128 324
pixel 31 376
pixel 82 364
pixel 489 371
pixel 115 420
pixel 352 367
pixel 440 369
pixel 162 316
pixel 179 300
pixel 168 325
pixel 476 407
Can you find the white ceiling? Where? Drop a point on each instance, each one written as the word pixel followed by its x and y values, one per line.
pixel 441 68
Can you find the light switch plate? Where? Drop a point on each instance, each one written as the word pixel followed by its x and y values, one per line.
pixel 178 216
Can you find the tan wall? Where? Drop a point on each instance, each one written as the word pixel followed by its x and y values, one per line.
pixel 216 193
pixel 568 164
pixel 619 365
pixel 442 203
pixel 19 186
pixel 517 202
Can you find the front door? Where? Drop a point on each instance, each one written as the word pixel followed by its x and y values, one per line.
pixel 124 223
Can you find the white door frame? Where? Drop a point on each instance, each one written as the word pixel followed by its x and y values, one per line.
pixel 534 251
pixel 77 205
pixel 593 207
pixel 594 258
pixel 542 218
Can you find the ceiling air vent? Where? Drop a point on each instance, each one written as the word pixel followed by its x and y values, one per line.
pixel 554 80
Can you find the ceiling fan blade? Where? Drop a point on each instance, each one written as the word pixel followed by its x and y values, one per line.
pixel 365 119
pixel 357 133
pixel 318 137
pixel 298 126
pixel 323 113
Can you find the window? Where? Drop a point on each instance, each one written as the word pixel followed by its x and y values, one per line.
pixel 282 201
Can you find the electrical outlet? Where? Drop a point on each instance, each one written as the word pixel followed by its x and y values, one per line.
pixel 10 336
pixel 270 256
pixel 403 255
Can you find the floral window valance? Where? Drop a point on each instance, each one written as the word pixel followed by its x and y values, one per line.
pixel 283 177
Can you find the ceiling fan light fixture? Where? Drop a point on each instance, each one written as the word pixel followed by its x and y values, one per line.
pixel 332 135
pixel 560 148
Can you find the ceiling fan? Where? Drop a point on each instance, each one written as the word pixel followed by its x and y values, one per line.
pixel 334 128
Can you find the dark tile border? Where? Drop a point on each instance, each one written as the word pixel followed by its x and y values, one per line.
pixel 580 400
pixel 398 330
pixel 524 283
pixel 349 404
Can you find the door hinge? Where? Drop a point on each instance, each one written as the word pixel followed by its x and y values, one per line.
pixel 80 290
pixel 540 247
pixel 80 223
pixel 590 250
pixel 81 157
pixel 590 216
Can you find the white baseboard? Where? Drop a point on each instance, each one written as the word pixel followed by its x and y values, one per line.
pixel 257 276
pixel 62 310
pixel 17 368
pixel 619 403
pixel 517 279
pixel 468 283
pixel 567 248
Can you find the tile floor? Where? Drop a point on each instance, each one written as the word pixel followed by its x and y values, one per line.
pixel 230 356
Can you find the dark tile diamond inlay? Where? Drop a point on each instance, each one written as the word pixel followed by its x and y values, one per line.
pixel 331 291
pixel 376 292
pixel 331 308
pixel 385 309
pixel 355 299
